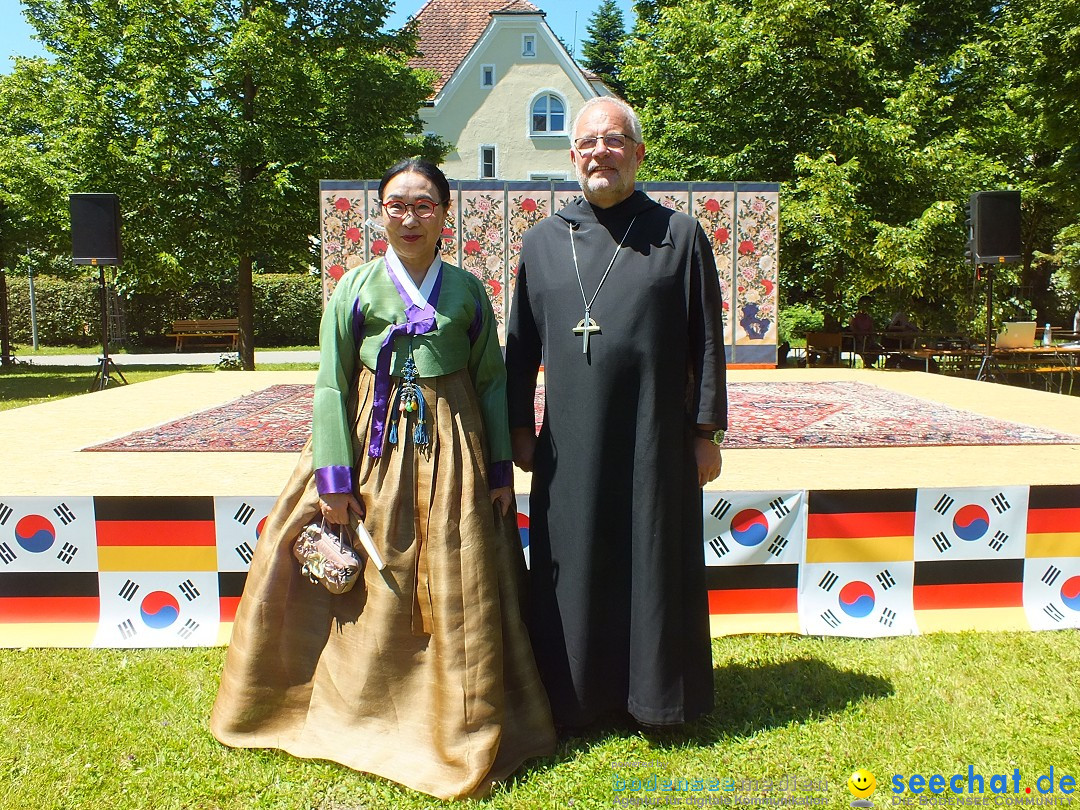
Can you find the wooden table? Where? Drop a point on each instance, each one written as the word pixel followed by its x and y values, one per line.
pixel 1046 363
pixel 901 345
pixel 1055 366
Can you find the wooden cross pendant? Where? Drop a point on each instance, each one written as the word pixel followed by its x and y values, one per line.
pixel 586 326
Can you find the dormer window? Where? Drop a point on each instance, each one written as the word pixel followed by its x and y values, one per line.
pixel 487 76
pixel 548 115
pixel 528 44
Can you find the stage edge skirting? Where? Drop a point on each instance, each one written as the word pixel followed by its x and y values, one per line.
pixel 169 571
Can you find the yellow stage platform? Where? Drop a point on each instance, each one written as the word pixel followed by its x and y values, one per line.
pixel 151 548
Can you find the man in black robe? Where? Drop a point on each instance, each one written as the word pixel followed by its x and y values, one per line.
pixel 618 297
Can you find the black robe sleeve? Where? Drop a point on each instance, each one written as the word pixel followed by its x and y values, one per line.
pixel 524 351
pixel 708 383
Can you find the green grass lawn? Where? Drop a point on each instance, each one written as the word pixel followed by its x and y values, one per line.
pixel 28 351
pixel 128 729
pixel 52 351
pixel 28 384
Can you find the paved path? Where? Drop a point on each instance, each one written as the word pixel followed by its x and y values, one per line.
pixel 167 358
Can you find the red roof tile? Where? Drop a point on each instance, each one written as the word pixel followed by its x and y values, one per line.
pixel 449 28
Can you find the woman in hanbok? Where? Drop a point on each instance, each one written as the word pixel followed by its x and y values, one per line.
pixel 422 673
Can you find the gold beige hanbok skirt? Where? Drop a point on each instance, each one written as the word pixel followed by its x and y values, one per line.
pixel 423 672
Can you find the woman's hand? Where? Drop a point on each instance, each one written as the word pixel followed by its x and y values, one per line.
pixel 502 496
pixel 337 505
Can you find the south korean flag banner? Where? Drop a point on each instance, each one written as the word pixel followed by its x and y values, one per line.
pixel 238 524
pixel 158 609
pixel 47 535
pixel 1052 592
pixel 863 600
pixel 521 503
pixel 754 528
pixel 971 523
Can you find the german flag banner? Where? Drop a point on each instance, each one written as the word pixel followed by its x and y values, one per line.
pixel 1052 570
pixel 969 594
pixel 753 544
pixel 1053 521
pixel 230 589
pixel 156 534
pixel 170 571
pixel 860 525
pixel 48 609
pixel 856 575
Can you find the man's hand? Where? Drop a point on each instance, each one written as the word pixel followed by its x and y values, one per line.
pixel 523 446
pixel 708 459
pixel 337 505
pixel 502 496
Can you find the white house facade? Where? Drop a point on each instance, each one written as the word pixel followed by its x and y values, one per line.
pixel 507 106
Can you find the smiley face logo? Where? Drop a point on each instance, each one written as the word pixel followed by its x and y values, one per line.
pixel 862 784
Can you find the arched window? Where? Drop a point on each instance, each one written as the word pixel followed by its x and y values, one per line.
pixel 548 115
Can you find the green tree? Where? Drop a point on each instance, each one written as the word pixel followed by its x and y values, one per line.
pixel 602 51
pixel 215 119
pixel 1044 36
pixel 35 172
pixel 879 118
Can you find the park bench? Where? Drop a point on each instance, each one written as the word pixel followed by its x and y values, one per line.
pixel 207 332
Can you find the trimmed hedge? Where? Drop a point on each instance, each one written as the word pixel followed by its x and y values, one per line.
pixel 287 311
pixel 68 312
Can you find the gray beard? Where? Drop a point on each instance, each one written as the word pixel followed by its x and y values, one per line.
pixel 590 185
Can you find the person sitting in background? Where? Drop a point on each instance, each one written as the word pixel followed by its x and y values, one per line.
pixel 900 338
pixel 861 327
pixel 900 332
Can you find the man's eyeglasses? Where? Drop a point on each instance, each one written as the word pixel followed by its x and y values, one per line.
pixel 614 141
pixel 422 209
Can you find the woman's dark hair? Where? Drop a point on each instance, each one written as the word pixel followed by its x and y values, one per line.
pixel 421 167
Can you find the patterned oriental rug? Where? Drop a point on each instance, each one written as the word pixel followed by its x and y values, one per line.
pixel 762 415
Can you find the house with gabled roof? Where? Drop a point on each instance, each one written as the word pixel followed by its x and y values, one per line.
pixel 506 90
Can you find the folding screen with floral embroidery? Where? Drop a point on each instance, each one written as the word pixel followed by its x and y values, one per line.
pixel 488 218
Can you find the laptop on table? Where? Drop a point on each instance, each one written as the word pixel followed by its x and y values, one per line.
pixel 1016 335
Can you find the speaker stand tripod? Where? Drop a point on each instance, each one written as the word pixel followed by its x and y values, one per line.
pixel 989 368
pixel 106 366
pixel 103 376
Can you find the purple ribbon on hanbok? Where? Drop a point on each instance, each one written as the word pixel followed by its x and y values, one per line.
pixel 418 321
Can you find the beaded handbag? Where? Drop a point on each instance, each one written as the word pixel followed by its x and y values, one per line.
pixel 327 557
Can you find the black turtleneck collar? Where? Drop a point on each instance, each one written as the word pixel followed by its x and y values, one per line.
pixel 581 210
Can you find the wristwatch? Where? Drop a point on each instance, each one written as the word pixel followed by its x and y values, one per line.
pixel 714 436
